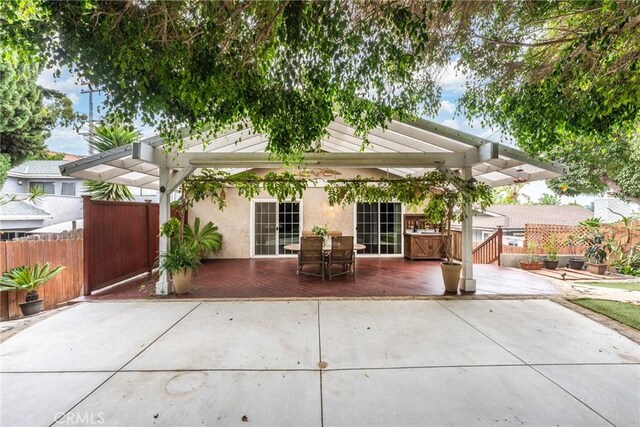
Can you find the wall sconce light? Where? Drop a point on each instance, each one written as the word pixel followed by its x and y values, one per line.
pixel 472 183
pixel 19 182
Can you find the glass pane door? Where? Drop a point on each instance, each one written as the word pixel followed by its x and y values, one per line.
pixel 367 226
pixel 265 228
pixel 276 225
pixel 379 227
pixel 288 225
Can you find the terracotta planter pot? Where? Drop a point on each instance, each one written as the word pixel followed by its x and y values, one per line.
pixel 182 281
pixel 530 265
pixel 31 307
pixel 451 276
pixel 576 264
pixel 597 268
pixel 550 265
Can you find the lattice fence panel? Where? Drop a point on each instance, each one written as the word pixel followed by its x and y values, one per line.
pixel 541 234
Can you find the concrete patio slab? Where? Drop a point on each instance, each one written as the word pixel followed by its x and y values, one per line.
pixel 208 398
pixel 611 390
pixel 450 397
pixel 30 399
pixel 393 334
pixel 239 335
pixel 543 332
pixel 83 338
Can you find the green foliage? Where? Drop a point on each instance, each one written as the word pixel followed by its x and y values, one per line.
pixel 46 156
pixel 108 136
pixel 320 231
pixel 108 191
pixel 510 195
pixel 28 112
pixel 441 195
pixel 171 229
pixel 28 278
pixel 204 240
pixel 597 250
pixel 551 249
pixel 561 78
pixel 5 165
pixel 549 199
pixel 625 312
pixel 288 67
pixel 211 183
pixel 179 257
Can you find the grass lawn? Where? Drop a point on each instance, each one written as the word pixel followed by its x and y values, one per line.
pixel 624 312
pixel 629 286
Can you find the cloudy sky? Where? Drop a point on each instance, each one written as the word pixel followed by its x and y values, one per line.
pixel 67 140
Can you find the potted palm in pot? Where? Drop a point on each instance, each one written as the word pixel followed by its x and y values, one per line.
pixel 188 245
pixel 29 279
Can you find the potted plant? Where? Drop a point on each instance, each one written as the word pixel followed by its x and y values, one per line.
pixel 551 260
pixel 320 231
pixel 181 260
pixel 531 261
pixel 575 263
pixel 596 253
pixel 445 205
pixel 29 278
pixel 187 246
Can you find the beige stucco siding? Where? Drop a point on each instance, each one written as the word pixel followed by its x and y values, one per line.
pixel 235 221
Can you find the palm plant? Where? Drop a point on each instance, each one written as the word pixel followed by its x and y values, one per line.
pixel 106 137
pixel 203 240
pixel 549 199
pixel 28 278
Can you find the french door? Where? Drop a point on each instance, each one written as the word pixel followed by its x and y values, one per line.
pixel 379 227
pixel 275 225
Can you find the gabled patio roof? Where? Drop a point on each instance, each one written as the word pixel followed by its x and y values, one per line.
pixel 404 148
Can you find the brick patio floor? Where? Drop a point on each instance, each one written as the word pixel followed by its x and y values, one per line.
pixel 376 277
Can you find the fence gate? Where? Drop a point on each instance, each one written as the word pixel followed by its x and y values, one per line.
pixel 120 241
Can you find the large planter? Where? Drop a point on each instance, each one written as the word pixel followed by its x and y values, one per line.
pixel 550 265
pixel 451 276
pixel 576 264
pixel 182 281
pixel 597 268
pixel 530 265
pixel 31 307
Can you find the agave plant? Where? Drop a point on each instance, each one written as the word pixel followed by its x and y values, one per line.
pixel 106 137
pixel 28 278
pixel 203 240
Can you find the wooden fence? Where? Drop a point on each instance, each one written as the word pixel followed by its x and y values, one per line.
pixel 120 241
pixel 64 287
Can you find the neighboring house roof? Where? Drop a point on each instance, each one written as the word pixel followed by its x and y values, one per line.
pixel 59 227
pixel 20 210
pixel 517 216
pixel 68 157
pixel 38 169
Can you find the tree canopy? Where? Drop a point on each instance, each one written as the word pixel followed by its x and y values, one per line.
pixel 28 112
pixel 560 78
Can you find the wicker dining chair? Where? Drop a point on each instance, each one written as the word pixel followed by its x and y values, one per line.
pixel 342 254
pixel 311 253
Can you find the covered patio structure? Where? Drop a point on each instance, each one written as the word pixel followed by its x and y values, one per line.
pixel 402 149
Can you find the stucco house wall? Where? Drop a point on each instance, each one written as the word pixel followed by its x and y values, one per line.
pixel 235 221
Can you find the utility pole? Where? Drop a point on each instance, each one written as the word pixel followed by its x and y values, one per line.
pixel 90 91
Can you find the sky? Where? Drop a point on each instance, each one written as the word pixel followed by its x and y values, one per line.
pixel 67 140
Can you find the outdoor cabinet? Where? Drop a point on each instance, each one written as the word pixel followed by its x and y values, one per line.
pixel 423 246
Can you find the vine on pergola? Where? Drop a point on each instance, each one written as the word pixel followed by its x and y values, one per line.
pixel 428 191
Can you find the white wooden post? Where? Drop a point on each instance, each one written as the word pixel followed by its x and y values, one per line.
pixel 163 283
pixel 467 282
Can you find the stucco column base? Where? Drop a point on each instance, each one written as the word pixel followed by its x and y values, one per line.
pixel 163 285
pixel 468 285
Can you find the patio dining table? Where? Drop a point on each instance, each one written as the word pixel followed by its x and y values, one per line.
pixel 327 248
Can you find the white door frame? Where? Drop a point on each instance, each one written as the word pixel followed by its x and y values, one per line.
pixel 252 226
pixel 355 231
